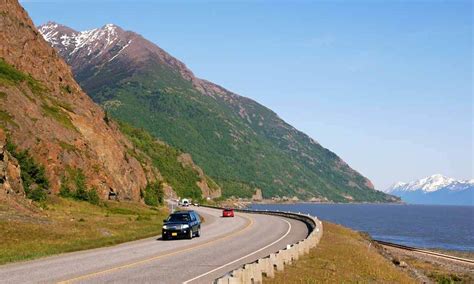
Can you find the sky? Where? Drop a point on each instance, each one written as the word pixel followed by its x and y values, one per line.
pixel 386 85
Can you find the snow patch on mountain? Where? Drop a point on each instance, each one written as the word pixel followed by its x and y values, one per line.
pixel 431 184
pixel 93 42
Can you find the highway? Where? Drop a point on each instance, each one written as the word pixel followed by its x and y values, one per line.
pixel 225 244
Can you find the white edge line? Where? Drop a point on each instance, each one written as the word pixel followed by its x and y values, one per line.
pixel 243 257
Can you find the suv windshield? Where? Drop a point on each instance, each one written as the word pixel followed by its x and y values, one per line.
pixel 178 218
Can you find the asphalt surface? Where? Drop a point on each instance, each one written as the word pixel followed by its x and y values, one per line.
pixel 225 244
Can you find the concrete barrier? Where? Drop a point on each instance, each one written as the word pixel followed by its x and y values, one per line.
pixel 253 272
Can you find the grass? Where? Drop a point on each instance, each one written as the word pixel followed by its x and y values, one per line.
pixel 9 75
pixel 342 256
pixel 59 115
pixel 66 225
pixel 67 146
pixel 6 118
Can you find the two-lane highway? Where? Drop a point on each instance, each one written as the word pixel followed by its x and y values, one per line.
pixel 225 244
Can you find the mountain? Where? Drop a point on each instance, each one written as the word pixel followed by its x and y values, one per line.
pixel 241 144
pixel 436 189
pixel 60 134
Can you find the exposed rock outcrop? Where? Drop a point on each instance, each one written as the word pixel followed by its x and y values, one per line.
pixel 258 195
pixel 10 172
pixel 45 111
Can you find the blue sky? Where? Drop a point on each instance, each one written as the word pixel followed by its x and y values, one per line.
pixel 387 85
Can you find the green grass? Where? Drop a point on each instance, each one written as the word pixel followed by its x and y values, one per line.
pixel 9 75
pixel 67 146
pixel 59 115
pixel 342 256
pixel 165 158
pixel 6 119
pixel 67 225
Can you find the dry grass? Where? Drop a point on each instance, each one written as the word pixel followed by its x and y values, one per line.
pixel 342 256
pixel 67 225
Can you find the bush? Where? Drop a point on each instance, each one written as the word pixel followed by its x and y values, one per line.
pixel 65 190
pixel 81 191
pixel 93 196
pixel 33 176
pixel 153 194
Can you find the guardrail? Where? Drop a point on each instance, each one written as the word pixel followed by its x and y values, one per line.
pixel 266 266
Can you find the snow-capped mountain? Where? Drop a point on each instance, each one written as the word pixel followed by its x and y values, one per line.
pixel 92 42
pixel 97 55
pixel 435 189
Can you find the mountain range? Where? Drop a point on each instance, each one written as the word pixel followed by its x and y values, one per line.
pixel 435 189
pixel 239 143
pixel 55 137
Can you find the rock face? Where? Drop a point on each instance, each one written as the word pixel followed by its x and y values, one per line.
pixel 43 110
pixel 258 195
pixel 236 141
pixel 10 172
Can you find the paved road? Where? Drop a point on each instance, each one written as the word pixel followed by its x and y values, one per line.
pixel 225 244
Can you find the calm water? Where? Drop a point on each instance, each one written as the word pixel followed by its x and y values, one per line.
pixel 428 226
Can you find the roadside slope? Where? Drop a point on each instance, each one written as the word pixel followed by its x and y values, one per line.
pixel 341 256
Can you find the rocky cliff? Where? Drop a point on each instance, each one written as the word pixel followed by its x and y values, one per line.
pixel 10 172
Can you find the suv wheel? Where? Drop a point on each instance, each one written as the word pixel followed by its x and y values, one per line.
pixel 190 235
pixel 198 233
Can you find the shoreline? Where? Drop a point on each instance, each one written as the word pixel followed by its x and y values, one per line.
pixel 455 249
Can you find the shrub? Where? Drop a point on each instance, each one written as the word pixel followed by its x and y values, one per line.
pixel 65 190
pixel 33 176
pixel 93 196
pixel 81 192
pixel 153 194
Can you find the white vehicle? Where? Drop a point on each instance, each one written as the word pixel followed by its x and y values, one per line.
pixel 185 202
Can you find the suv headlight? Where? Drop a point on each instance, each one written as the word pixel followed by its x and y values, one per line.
pixel 185 226
pixel 165 227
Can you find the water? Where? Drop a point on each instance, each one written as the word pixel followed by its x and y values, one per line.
pixel 425 226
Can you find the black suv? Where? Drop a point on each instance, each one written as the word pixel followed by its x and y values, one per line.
pixel 181 224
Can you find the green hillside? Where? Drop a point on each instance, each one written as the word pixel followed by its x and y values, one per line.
pixel 240 154
pixel 239 143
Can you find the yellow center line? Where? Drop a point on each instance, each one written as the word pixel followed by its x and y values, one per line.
pixel 85 276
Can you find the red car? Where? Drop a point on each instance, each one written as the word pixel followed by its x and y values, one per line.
pixel 228 212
